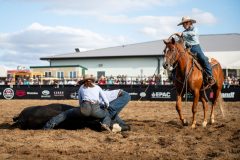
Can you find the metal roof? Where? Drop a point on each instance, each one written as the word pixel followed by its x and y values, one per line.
pixel 58 66
pixel 209 43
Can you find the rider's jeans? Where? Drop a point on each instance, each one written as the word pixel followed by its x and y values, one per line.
pixel 196 49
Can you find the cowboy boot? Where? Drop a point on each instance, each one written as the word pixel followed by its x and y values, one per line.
pixel 211 81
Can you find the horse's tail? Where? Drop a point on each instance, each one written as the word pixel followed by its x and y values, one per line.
pixel 220 78
pixel 221 104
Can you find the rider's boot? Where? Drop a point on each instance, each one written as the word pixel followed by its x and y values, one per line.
pixel 210 82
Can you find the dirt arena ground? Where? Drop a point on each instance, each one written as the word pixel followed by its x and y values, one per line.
pixel 156 134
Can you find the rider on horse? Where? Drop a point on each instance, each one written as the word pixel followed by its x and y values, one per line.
pixel 190 37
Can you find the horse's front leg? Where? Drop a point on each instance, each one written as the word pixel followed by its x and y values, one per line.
pixel 179 109
pixel 194 108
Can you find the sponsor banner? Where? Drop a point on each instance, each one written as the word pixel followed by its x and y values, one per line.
pixel 74 95
pixel 20 93
pixel 58 93
pixel 161 95
pixel 228 95
pixel 45 94
pixel 32 93
pixel 143 94
pixel 137 92
pixel 8 93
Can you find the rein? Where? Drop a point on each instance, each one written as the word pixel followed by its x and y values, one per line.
pixel 187 72
pixel 149 83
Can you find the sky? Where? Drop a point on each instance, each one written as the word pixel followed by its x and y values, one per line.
pixel 31 29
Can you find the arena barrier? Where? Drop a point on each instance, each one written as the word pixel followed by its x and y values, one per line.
pixel 153 93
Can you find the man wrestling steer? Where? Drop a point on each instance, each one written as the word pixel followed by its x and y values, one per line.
pixel 118 100
pixel 98 107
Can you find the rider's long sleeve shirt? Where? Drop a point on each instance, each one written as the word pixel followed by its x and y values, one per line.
pixel 190 36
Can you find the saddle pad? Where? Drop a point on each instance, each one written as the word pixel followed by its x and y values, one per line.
pixel 212 61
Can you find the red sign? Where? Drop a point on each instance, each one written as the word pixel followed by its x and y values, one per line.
pixel 20 93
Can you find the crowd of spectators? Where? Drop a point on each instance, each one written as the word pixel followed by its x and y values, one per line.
pixel 106 80
pixel 127 80
pixel 231 80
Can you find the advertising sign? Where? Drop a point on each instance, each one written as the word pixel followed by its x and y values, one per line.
pixel 143 92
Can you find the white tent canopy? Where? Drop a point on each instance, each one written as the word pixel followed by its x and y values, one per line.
pixel 228 60
pixel 235 65
pixel 3 71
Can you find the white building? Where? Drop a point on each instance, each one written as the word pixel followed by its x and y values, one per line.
pixel 147 58
pixel 3 72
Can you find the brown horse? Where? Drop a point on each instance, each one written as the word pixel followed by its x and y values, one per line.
pixel 189 77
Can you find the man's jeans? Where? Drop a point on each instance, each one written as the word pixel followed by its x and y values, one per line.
pixel 54 121
pixel 86 110
pixel 94 110
pixel 117 105
pixel 196 49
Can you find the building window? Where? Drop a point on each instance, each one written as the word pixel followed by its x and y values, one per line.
pixel 73 74
pixel 48 74
pixel 60 75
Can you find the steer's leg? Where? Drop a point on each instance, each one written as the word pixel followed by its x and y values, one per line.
pixel 179 109
pixel 194 107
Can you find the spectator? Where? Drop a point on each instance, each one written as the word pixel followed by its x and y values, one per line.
pixel 116 81
pixel 25 82
pixel 234 80
pixel 72 82
pixel 2 82
pixel 137 81
pixel 30 81
pixel 19 81
pixel 226 83
pixel 229 80
pixel 128 81
pixel 110 80
pixel 102 80
pixel 151 81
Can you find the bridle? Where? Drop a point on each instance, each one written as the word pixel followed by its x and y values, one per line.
pixel 173 62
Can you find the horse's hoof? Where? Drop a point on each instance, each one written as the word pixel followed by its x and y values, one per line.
pixel 204 124
pixel 193 126
pixel 185 122
pixel 212 121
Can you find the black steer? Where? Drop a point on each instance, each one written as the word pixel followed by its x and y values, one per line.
pixel 36 117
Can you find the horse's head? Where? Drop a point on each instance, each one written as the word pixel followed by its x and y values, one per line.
pixel 171 52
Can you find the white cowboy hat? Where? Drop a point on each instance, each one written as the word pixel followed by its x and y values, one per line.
pixel 89 77
pixel 186 19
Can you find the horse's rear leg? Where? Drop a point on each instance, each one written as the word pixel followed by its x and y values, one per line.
pixel 194 108
pixel 179 110
pixel 205 109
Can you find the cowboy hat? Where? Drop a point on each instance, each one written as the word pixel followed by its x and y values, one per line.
pixel 186 19
pixel 88 77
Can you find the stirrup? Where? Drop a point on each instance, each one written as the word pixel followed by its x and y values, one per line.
pixel 206 87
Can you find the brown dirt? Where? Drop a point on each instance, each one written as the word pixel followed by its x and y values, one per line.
pixel 156 134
